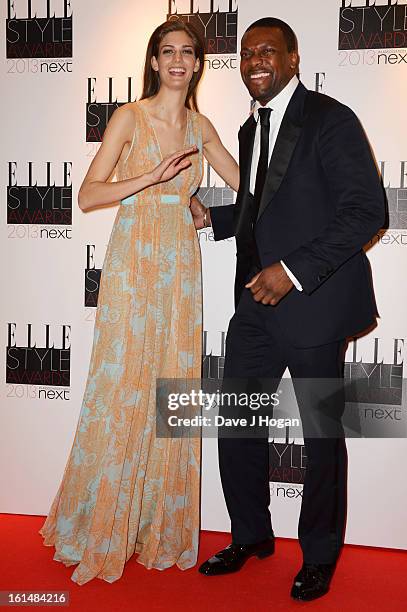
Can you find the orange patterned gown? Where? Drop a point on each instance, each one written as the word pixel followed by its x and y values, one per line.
pixel 124 491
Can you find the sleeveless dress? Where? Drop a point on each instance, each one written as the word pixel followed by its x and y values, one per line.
pixel 124 491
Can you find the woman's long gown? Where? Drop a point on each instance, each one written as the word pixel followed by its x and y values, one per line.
pixel 124 491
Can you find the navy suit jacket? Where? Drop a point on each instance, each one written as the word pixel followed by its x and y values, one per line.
pixel 322 201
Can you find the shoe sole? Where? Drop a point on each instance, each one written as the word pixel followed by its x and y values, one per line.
pixel 309 598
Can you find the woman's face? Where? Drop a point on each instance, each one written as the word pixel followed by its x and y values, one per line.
pixel 176 61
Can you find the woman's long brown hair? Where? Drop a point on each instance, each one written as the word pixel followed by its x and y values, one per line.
pixel 151 79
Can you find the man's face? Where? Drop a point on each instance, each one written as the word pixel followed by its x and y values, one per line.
pixel 266 65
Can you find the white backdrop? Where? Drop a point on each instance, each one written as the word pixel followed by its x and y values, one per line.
pixel 43 273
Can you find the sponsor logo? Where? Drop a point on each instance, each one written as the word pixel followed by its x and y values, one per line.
pixel 216 21
pixel 396 196
pixel 99 112
pixel 35 33
pixel 212 194
pixel 320 78
pixel 48 203
pixel 92 277
pixel 39 355
pixel 287 461
pixel 372 24
pixel 213 365
pixel 375 380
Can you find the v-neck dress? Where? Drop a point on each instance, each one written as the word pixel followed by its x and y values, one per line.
pixel 125 491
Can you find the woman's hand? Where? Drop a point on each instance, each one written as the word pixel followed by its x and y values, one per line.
pixel 171 166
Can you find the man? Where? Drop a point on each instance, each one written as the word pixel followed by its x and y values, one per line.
pixel 309 199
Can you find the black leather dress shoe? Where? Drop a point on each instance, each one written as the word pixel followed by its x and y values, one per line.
pixel 234 556
pixel 312 581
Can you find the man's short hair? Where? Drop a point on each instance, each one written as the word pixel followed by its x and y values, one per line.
pixel 272 22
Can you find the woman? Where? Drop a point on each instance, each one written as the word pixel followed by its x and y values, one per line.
pixel 124 491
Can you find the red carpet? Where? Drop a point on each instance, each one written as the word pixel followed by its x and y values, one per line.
pixel 366 578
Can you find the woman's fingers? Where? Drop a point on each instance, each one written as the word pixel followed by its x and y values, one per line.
pixel 172 164
pixel 172 159
pixel 181 165
pixel 182 162
pixel 182 153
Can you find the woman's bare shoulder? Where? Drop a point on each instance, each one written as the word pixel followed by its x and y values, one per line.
pixel 128 112
pixel 124 119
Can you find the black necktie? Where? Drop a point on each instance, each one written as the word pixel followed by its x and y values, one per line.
pixel 264 114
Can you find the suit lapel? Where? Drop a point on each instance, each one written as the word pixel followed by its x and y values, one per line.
pixel 246 142
pixel 287 138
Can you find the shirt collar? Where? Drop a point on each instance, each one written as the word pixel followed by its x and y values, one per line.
pixel 280 102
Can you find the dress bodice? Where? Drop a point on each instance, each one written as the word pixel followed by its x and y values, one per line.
pixel 144 155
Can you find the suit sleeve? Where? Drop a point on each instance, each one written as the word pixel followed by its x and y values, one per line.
pixel 356 193
pixel 223 217
pixel 222 221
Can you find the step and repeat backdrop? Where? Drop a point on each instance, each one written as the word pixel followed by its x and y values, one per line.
pixel 65 66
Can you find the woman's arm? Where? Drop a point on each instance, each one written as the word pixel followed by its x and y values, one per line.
pixel 219 158
pixel 96 191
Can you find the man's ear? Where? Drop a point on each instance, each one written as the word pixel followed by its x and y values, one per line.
pixel 294 59
pixel 154 63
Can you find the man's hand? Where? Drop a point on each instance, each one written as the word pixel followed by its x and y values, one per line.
pixel 270 285
pixel 198 211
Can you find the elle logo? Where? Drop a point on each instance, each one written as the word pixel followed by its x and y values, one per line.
pixel 215 21
pixel 30 35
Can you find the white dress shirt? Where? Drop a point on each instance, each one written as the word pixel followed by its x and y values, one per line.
pixel 278 107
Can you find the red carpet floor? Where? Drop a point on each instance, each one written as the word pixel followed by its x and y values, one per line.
pixel 366 578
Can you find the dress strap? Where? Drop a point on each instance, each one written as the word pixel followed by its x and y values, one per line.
pixel 131 146
pixel 197 129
